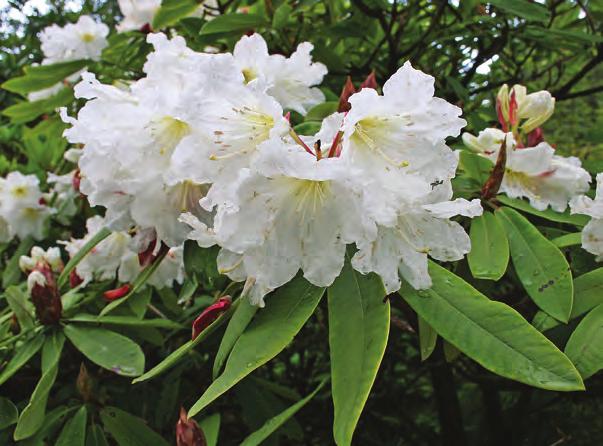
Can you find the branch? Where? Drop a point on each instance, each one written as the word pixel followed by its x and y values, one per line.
pixel 578 94
pixel 565 89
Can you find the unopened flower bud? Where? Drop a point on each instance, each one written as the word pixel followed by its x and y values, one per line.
pixel 536 108
pixel 502 106
pixel 188 432
pixel 44 292
pixel 210 314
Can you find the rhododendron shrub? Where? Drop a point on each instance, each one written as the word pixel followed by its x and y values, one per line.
pixel 212 217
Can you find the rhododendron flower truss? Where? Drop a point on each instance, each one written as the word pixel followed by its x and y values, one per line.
pixel 535 173
pixel 592 234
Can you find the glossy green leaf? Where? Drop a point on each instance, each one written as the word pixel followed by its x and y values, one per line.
pixel 23 354
pixel 549 214
pixel 211 429
pixel 540 266
pixel 129 430
pixel 12 273
pixel 584 345
pixel 321 111
pixel 428 338
pixel 43 76
pixel 126 321
pixel 307 128
pixel 564 241
pixel 171 11
pixel 26 111
pixel 8 413
pixel 21 306
pixel 475 166
pixel 107 349
pixel 74 431
pixel 277 421
pixel 491 333
pixel 524 9
pixel 52 422
pixel 358 331
pixel 489 255
pixel 273 328
pixel 77 258
pixel 237 325
pixel 52 349
pixel 234 22
pixel 179 354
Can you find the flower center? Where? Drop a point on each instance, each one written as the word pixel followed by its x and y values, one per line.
pixel 372 132
pixel 249 74
pixel 87 37
pixel 310 196
pixel 168 132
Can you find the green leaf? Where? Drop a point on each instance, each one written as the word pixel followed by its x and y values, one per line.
pixel 43 76
pixel 491 333
pixel 540 266
pixel 567 240
pixel 307 128
pixel 234 23
pixel 127 321
pixel 8 413
pixel 52 421
pixel 358 331
pixel 588 293
pixel 321 111
pixel 171 11
pixel 489 255
pixel 107 349
pixel 274 423
pixel 584 345
pixel 475 166
pixel 281 16
pixel 211 428
pixel 128 430
pixel 74 431
pixel 22 355
pixel 77 258
pixel 428 338
pixel 52 349
pixel 273 328
pixel 237 325
pixel 524 9
pixel 549 214
pixel 20 304
pixel 178 354
pixel 26 111
pixel 12 272
pixel 95 436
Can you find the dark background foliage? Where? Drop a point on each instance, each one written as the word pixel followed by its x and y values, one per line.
pixel 472 48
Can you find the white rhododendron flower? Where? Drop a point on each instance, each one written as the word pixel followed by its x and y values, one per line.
pixel 114 257
pixel 592 234
pixel 137 13
pixel 84 39
pixel 22 207
pixel 289 80
pixel 535 173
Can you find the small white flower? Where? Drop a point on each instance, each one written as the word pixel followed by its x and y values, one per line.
pixel 137 13
pixel 84 39
pixel 592 234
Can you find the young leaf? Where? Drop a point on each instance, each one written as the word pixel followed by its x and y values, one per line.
pixel 584 345
pixel 489 253
pixel 428 338
pixel 129 430
pixel 358 331
pixel 108 349
pixel 540 266
pixel 211 429
pixel 256 438
pixel 74 431
pixel 8 413
pixel 237 325
pixel 22 355
pixel 273 328
pixel 491 333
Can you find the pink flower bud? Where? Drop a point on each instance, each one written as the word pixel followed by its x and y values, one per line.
pixel 210 314
pixel 188 432
pixel 117 293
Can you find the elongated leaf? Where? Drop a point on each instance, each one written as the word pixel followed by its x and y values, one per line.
pixel 428 338
pixel 171 11
pixel 43 76
pixel 588 293
pixel 234 22
pixel 26 111
pixel 74 431
pixel 108 349
pixel 12 272
pixel 52 421
pixel 8 413
pixel 549 214
pixel 19 302
pixel 491 333
pixel 23 354
pixel 52 349
pixel 211 428
pixel 476 166
pixel 90 244
pixel 274 423
pixel 178 354
pixel 237 325
pixel 524 9
pixel 128 430
pixel 540 266
pixel 358 331
pixel 321 111
pixel 95 436
pixel 127 321
pixel 489 255
pixel 584 345
pixel 273 328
